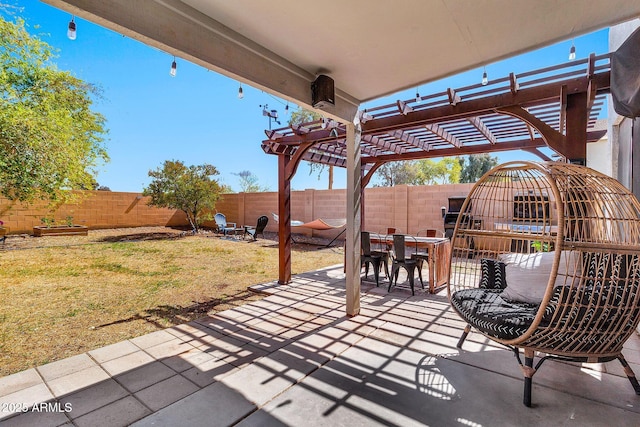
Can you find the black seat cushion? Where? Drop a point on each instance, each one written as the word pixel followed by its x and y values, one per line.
pixel 485 310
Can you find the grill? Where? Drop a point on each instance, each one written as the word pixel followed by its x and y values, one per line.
pixel 451 215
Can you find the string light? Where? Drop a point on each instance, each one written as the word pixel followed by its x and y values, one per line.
pixel 572 52
pixel 485 79
pixel 174 68
pixel 71 31
pixel 240 92
pixel 418 94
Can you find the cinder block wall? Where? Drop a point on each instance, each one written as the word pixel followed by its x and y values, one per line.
pixel 95 209
pixel 407 208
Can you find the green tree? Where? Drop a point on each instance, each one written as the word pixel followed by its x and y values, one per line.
pixel 476 165
pixel 302 115
pixel 396 173
pixel 249 183
pixel 443 171
pixel 50 139
pixel 191 189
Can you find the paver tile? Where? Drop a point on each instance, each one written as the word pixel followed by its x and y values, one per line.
pixel 77 381
pixel 209 372
pixel 169 348
pixel 166 392
pixel 93 397
pixel 22 400
pixel 213 406
pixel 119 413
pixel 19 381
pixel 187 360
pixel 113 351
pixel 152 339
pixel 66 366
pixel 127 363
pixel 144 376
pixel 37 419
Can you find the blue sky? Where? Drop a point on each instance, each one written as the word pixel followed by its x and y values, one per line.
pixel 196 117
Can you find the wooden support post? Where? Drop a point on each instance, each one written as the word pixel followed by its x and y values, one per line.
pixel 576 137
pixel 284 223
pixel 352 249
pixel 362 202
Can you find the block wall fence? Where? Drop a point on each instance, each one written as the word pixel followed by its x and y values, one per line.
pixel 407 208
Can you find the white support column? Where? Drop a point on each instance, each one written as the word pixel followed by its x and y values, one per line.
pixel 352 249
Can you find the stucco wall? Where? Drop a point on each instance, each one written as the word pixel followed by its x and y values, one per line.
pixel 95 209
pixel 407 208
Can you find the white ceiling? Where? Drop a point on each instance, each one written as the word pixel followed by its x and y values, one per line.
pixel 369 47
pixel 373 48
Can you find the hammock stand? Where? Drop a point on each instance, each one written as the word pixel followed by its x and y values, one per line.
pixel 318 225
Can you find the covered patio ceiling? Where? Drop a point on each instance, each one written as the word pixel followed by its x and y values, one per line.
pixel 468 120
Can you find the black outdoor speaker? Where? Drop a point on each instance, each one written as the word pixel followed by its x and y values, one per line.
pixel 322 92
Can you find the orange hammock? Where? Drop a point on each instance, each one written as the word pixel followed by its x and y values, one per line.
pixel 317 224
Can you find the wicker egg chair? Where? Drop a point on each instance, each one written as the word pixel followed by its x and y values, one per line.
pixel 545 259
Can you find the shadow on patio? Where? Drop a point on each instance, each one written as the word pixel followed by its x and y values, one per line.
pixel 294 358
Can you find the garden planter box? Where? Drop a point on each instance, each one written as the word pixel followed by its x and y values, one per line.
pixel 61 230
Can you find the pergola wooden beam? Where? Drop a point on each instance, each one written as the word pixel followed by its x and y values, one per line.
pixel 404 108
pixel 483 129
pixel 443 134
pixel 340 147
pixel 410 139
pixel 475 149
pixel 376 141
pixel 299 129
pixel 553 138
pixel 545 93
pixel 538 153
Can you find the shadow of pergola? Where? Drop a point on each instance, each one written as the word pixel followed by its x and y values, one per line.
pixel 294 358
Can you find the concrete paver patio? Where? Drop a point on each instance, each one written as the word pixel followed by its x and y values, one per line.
pixel 294 358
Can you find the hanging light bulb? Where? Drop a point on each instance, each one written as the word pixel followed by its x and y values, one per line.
pixel 174 68
pixel 485 79
pixel 71 31
pixel 572 52
pixel 240 92
pixel 418 95
pixel 286 108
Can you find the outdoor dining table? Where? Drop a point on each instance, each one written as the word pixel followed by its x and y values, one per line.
pixel 436 249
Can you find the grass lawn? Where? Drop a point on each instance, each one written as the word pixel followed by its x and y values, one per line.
pixel 58 301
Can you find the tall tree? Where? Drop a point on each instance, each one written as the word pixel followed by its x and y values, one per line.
pixel 476 165
pixel 443 171
pixel 302 115
pixel 191 189
pixel 50 139
pixel 249 183
pixel 396 173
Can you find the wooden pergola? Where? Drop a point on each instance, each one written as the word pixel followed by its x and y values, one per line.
pixel 555 107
